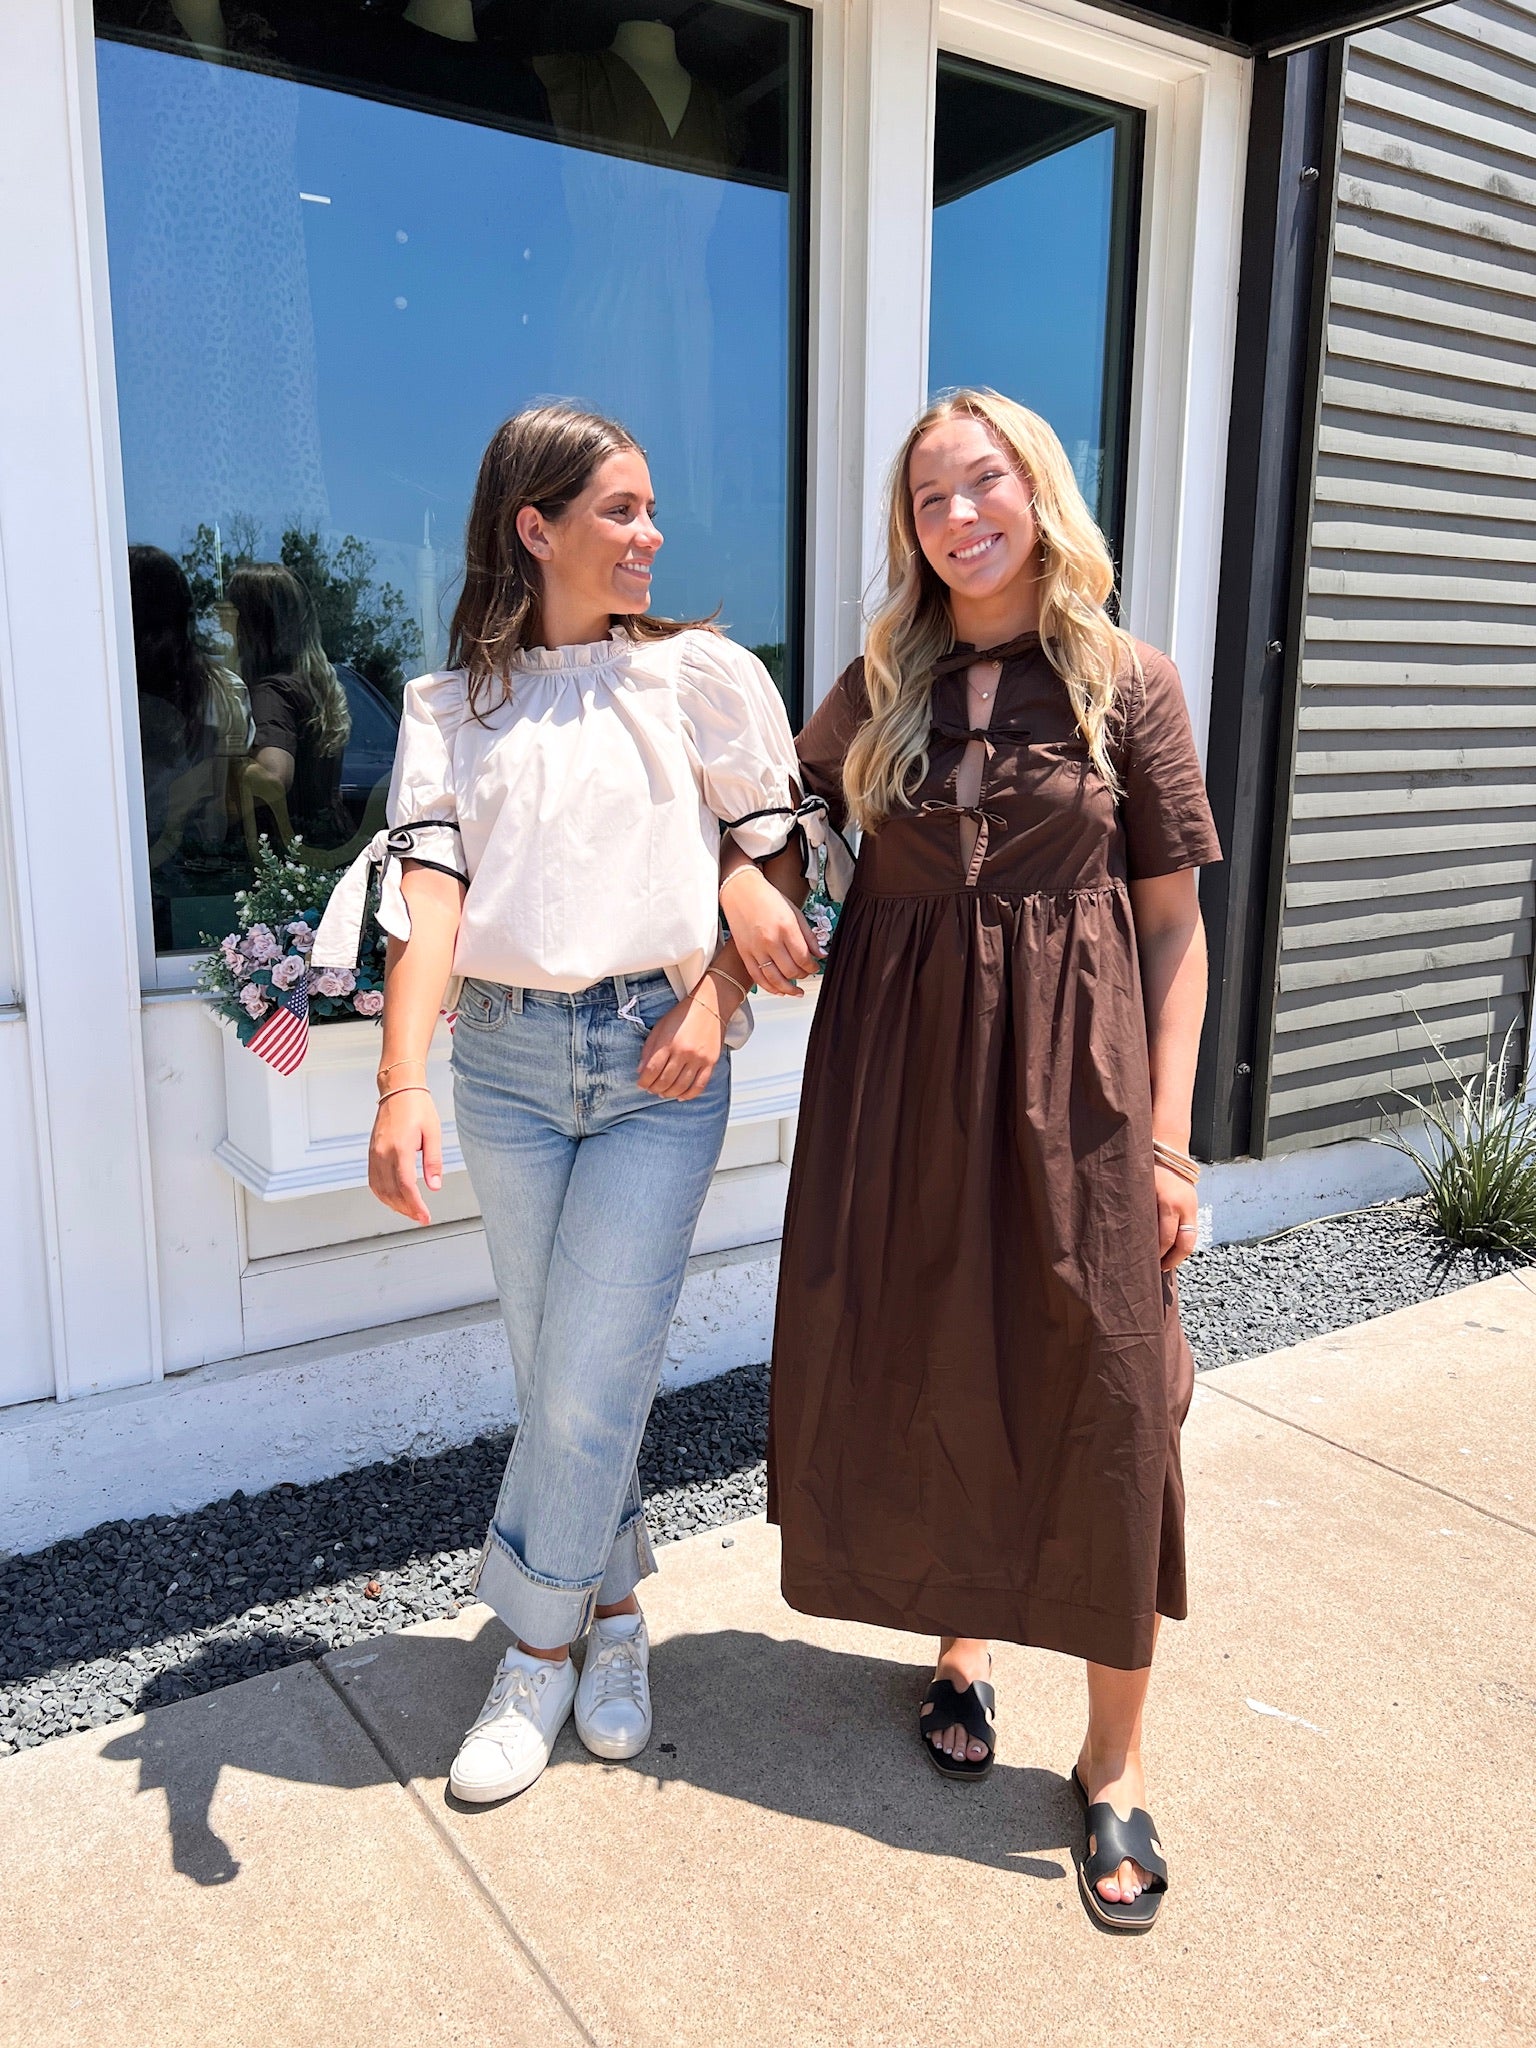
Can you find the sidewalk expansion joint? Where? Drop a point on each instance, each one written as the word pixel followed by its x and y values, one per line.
pixel 1429 1485
pixel 446 1838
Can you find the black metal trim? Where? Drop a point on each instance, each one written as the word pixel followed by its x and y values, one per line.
pixel 1335 56
pixel 1271 449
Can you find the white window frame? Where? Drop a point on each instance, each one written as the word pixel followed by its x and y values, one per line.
pixel 876 70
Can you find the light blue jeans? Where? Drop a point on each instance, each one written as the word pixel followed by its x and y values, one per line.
pixel 590 1189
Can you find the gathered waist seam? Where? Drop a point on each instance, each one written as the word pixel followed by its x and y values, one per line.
pixel 979 891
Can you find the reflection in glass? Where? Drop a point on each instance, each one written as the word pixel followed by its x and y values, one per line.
pixel 345 240
pixel 1036 197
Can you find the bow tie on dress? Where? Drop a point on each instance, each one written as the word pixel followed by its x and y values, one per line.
pixel 963 656
pixel 951 729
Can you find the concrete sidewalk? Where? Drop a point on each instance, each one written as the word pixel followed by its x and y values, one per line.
pixel 1341 1744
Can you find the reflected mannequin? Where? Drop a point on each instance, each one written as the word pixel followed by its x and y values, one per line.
pixel 649 48
pixel 452 19
pixel 203 21
pixel 638 94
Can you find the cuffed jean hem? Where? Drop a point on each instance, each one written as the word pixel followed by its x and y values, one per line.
pixel 546 1612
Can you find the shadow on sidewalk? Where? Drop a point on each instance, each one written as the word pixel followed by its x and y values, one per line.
pixel 266 1725
pixel 815 1734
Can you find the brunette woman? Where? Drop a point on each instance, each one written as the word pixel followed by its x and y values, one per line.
pixel 979 1374
pixel 556 811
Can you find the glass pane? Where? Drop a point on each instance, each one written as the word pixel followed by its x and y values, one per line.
pixel 1036 196
pixel 345 240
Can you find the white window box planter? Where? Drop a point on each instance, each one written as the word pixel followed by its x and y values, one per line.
pixel 307 1133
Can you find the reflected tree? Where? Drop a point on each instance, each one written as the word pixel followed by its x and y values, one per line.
pixel 365 623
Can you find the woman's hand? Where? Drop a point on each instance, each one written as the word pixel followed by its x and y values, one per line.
pixel 772 936
pixel 405 1126
pixel 684 1048
pixel 1177 1216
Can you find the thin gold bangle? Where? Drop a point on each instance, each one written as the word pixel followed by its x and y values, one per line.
pixel 409 1088
pixel 1175 1161
pixel 723 976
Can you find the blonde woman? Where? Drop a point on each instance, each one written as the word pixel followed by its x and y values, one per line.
pixel 979 1374
pixel 297 702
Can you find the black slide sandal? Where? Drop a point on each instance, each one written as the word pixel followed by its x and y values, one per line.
pixel 973 1710
pixel 1109 1842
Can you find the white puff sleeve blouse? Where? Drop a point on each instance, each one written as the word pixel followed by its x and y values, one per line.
pixel 584 812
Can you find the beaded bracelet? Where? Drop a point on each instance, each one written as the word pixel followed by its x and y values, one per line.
pixel 747 868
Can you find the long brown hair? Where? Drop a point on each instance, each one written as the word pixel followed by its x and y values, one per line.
pixel 277 633
pixel 544 457
pixel 913 629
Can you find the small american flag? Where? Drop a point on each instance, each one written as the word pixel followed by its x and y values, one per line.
pixel 283 1038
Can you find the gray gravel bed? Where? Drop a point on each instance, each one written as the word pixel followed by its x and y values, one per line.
pixel 135 1614
pixel 1241 1300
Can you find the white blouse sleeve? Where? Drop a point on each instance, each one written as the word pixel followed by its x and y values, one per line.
pixel 737 731
pixel 423 824
pixel 748 768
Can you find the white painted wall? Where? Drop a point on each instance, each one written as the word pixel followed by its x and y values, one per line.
pixel 308 1411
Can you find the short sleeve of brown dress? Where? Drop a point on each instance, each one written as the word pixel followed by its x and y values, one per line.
pixel 979 1375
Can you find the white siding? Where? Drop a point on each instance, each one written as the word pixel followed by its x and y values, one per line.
pixel 1411 853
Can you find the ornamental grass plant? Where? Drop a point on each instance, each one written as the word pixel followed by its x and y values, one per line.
pixel 1479 1164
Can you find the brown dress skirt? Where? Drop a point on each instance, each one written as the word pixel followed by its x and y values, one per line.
pixel 979 1374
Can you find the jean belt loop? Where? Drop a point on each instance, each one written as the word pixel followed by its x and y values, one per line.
pixel 515 1001
pixel 621 990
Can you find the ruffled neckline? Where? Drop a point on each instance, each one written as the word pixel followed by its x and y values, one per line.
pixel 564 660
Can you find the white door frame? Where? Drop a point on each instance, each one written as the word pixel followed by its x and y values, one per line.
pixel 875 64
pixel 70 741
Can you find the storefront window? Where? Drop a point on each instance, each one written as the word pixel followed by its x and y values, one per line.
pixel 1036 198
pixel 347 238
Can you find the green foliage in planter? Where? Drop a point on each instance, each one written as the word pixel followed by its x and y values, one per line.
pixel 1480 1167
pixel 278 915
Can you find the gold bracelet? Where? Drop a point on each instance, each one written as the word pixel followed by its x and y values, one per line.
pixel 410 1061
pixel 735 984
pixel 1175 1161
pixel 409 1088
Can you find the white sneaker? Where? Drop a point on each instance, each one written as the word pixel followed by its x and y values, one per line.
pixel 613 1700
pixel 509 1744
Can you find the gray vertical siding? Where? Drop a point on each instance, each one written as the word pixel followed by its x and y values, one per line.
pixel 1410 859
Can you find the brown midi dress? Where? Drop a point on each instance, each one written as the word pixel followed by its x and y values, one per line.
pixel 979 1374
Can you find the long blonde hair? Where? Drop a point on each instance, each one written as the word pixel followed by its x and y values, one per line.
pixel 277 633
pixel 913 628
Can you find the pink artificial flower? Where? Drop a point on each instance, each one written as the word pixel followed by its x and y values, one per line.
pixel 368 1002
pixel 333 981
pixel 289 971
pixel 261 946
pixel 300 936
pixel 234 959
pixel 254 999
